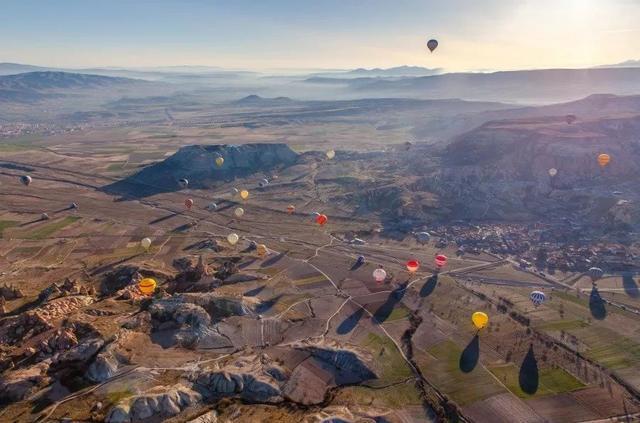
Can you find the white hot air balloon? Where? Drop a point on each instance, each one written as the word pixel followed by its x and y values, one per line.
pixel 553 172
pixel 233 239
pixel 379 275
pixel 330 154
pixel 146 243
pixel 239 212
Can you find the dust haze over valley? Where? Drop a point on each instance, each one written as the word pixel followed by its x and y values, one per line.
pixel 317 241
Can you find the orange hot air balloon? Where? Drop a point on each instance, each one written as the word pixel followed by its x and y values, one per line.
pixel 188 203
pixel 413 265
pixel 291 209
pixel 603 160
pixel 321 219
pixel 441 260
pixel 147 286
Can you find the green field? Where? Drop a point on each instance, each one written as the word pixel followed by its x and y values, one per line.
pixel 396 396
pixel 559 325
pixel 609 348
pixel 551 381
pixel 5 224
pixel 441 366
pixel 51 228
pixel 393 367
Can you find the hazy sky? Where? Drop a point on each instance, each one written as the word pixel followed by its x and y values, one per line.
pixel 261 34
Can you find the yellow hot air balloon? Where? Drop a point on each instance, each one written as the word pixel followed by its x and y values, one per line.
pixel 331 154
pixel 244 194
pixel 147 286
pixel 146 243
pixel 603 160
pixel 233 239
pixel 239 212
pixel 219 161
pixel 479 319
pixel 262 250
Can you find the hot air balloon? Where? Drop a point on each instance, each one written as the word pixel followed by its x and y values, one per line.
pixel 212 206
pixel 244 194
pixel 360 260
pixel 234 192
pixel 146 243
pixel 233 239
pixel 479 319
pixel 441 260
pixel 553 172
pixel 25 180
pixel 188 203
pixel 239 212
pixel 73 206
pixel 44 216
pixel 570 119
pixel 432 45
pixel 183 183
pixel 379 275
pixel 321 219
pixel 603 160
pixel 330 154
pixel 147 286
pixel 408 145
pixel 219 161
pixel 291 209
pixel 262 250
pixel 252 245
pixel 537 298
pixel 423 237
pixel 595 273
pixel 413 265
pixel 263 183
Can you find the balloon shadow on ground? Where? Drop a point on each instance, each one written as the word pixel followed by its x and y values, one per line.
pixel 630 286
pixel 385 310
pixel 429 286
pixel 163 218
pixel 273 260
pixel 348 324
pixel 254 292
pixel 470 355
pixel 597 305
pixel 529 377
pixel 267 305
pixel 226 206
pixel 357 265
pixel 31 222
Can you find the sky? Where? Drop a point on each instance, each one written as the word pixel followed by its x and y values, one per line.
pixel 320 34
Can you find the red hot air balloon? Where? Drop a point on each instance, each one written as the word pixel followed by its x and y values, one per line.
pixel 413 265
pixel 441 260
pixel 291 209
pixel 188 203
pixel 321 219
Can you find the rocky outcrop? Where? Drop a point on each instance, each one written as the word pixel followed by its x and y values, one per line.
pixel 197 164
pixel 18 384
pixel 9 292
pixel 160 402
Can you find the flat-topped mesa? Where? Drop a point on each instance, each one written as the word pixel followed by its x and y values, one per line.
pixel 197 164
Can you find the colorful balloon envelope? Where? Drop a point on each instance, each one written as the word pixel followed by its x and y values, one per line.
pixel 244 194
pixel 553 172
pixel 432 45
pixel 263 183
pixel 239 212
pixel 413 265
pixel 147 286
pixel 331 154
pixel 537 298
pixel 262 250
pixel 212 206
pixel 188 203
pixel 145 243
pixel 321 219
pixel 595 273
pixel 219 161
pixel 479 319
pixel 441 260
pixel 25 180
pixel 379 275
pixel 183 183
pixel 423 237
pixel 603 160
pixel 291 209
pixel 233 239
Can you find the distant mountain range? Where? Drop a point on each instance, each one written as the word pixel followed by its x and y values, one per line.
pixel 625 64
pixel 396 72
pixel 531 86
